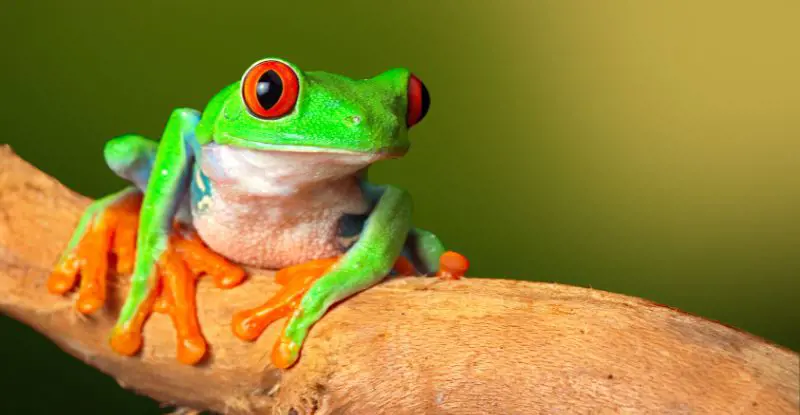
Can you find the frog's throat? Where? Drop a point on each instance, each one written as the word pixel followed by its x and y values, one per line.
pixel 381 153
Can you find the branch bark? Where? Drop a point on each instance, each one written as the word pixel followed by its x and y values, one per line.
pixel 411 345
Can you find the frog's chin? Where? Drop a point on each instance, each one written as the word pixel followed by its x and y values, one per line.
pixel 278 172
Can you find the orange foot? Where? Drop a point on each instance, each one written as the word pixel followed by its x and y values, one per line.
pixel 296 280
pixel 114 230
pixel 452 266
pixel 111 230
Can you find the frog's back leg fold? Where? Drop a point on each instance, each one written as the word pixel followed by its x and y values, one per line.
pixel 422 248
pixel 427 254
pixel 131 157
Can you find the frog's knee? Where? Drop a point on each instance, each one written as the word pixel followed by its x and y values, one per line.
pixel 131 157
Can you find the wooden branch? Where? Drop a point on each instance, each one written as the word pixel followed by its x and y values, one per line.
pixel 407 346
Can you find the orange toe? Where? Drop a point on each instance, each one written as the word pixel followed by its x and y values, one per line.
pixel 178 300
pixel 315 267
pixel 64 275
pixel 452 266
pixel 126 343
pixel 93 250
pixel 124 243
pixel 249 324
pixel 285 353
pixel 202 260
pixel 404 267
pixel 127 340
pixel 191 349
pixel 88 304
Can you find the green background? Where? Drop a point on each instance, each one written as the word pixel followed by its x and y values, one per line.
pixel 646 148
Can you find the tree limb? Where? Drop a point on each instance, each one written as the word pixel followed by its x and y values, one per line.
pixel 410 345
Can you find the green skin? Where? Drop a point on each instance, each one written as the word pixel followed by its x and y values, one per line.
pixel 333 115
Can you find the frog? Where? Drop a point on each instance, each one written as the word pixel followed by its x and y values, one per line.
pixel 271 174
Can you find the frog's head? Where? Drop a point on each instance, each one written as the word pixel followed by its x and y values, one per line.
pixel 278 107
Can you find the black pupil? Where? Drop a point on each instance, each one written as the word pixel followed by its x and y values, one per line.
pixel 269 89
pixel 426 101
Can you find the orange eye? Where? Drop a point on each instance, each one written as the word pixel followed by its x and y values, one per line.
pixel 269 89
pixel 418 101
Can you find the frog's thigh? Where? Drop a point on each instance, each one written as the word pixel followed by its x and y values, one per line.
pixel 423 249
pixel 131 157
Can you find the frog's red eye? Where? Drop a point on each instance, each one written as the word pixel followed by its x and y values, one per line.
pixel 418 101
pixel 269 89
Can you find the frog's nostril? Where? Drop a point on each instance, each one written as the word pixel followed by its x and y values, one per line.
pixel 355 119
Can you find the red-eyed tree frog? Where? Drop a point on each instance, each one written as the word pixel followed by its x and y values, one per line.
pixel 271 174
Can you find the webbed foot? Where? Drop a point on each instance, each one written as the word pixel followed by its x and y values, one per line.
pixel 111 227
pixel 185 259
pixel 296 281
pixel 107 227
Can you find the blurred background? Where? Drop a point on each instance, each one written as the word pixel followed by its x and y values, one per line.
pixel 645 148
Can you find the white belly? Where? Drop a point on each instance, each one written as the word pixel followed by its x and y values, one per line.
pixel 273 210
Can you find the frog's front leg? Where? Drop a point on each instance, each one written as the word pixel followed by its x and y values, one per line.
pixel 306 296
pixel 423 253
pixel 168 257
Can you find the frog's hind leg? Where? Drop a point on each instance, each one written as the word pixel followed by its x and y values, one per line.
pixel 423 253
pixel 131 157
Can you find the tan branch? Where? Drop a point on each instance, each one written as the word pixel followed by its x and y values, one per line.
pixel 407 346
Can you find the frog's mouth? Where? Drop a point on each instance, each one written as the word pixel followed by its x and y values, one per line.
pixel 380 153
pixel 269 171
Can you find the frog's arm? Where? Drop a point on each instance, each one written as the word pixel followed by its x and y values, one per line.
pixel 365 264
pixel 167 185
pixel 422 248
